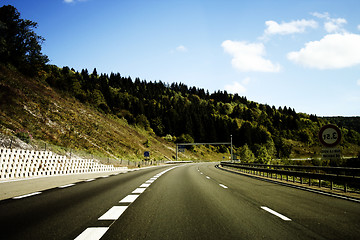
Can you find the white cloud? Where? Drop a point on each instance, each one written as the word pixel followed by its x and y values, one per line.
pixel 358 27
pixel 181 48
pixel 73 1
pixel 321 15
pixel 332 25
pixel 249 57
pixel 333 51
pixel 237 87
pixel 298 26
pixel 358 82
pixel 335 25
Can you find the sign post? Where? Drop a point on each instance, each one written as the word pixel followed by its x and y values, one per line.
pixel 330 137
pixel 147 155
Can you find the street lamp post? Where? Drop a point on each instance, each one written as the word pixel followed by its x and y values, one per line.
pixel 231 148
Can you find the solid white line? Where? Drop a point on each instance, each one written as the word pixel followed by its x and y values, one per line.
pixel 276 213
pixel 89 180
pixel 145 185
pixel 139 190
pixel 27 195
pixel 222 185
pixel 129 199
pixel 113 213
pixel 68 185
pixel 92 233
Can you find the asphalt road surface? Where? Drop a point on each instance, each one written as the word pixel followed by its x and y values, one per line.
pixel 191 201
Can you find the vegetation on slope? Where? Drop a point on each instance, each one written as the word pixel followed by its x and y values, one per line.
pixel 121 117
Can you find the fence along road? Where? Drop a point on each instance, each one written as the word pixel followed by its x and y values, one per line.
pixel 339 175
pixel 192 201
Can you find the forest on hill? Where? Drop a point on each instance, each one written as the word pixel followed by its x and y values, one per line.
pixel 176 112
pixel 189 114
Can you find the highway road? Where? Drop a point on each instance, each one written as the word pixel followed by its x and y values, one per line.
pixel 191 201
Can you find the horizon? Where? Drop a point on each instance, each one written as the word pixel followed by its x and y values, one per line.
pixel 303 55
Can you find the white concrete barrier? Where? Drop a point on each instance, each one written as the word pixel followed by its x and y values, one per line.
pixel 17 163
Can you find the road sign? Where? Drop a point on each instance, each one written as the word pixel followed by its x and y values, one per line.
pixel 331 153
pixel 330 135
pixel 181 149
pixel 147 154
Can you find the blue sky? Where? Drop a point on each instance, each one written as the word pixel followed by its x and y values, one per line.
pixel 300 54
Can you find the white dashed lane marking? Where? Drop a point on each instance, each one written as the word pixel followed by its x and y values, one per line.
pixel 92 233
pixel 27 195
pixel 276 213
pixel 95 233
pixel 114 213
pixel 145 185
pixel 139 190
pixel 129 199
pixel 221 185
pixel 68 185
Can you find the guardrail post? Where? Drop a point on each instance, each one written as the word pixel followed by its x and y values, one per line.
pixel 331 185
pixel 319 183
pixel 345 187
pixel 309 181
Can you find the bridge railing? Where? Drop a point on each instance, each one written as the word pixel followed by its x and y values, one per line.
pixel 348 177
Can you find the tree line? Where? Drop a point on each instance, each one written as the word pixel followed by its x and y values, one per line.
pixel 174 111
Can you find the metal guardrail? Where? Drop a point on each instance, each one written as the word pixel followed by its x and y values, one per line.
pixel 176 162
pixel 338 175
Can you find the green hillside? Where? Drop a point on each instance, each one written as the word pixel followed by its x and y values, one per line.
pixel 188 114
pixel 116 116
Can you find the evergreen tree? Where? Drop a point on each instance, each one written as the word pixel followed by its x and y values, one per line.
pixel 19 44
